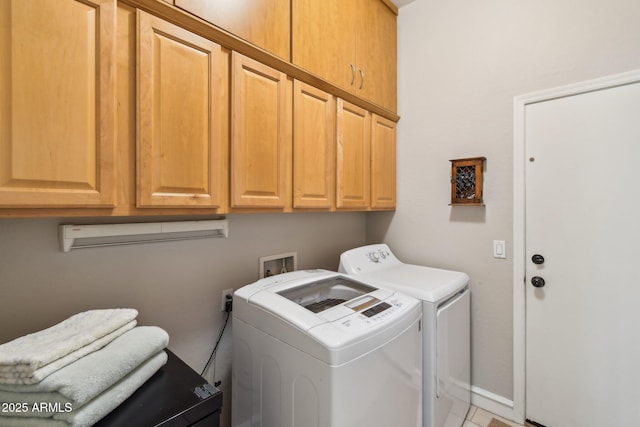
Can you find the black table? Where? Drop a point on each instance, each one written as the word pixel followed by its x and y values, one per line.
pixel 175 396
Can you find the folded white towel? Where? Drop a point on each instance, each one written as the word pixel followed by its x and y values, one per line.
pixel 100 406
pixel 38 375
pixel 65 342
pixel 81 381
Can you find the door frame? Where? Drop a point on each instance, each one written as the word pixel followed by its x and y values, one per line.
pixel 519 221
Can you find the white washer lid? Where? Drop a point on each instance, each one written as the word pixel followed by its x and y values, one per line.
pixel 378 265
pixel 425 283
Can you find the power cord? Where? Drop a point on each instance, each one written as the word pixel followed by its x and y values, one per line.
pixel 228 307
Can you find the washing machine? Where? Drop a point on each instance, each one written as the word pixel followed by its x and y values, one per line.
pixel 319 349
pixel 446 328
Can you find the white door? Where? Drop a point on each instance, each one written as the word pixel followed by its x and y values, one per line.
pixel 582 197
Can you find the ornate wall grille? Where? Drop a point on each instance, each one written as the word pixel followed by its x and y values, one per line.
pixel 466 181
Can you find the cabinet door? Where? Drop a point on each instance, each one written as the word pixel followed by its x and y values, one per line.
pixel 323 39
pixel 314 120
pixel 376 54
pixel 180 162
pixel 383 163
pixel 353 156
pixel 260 135
pixel 265 23
pixel 57 103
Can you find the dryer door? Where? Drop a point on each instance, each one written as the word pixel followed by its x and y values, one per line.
pixel 453 361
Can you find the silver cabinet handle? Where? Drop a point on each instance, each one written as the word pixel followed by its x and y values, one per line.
pixel 353 74
pixel 361 78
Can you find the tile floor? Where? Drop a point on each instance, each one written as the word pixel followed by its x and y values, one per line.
pixel 478 417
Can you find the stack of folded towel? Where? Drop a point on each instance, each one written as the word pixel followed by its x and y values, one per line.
pixel 76 372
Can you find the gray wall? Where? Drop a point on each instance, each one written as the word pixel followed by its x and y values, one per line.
pixel 460 63
pixel 175 285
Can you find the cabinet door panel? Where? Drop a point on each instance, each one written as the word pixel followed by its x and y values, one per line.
pixel 179 108
pixel 353 156
pixel 313 147
pixel 376 54
pixel 260 135
pixel 323 39
pixel 57 108
pixel 383 163
pixel 264 23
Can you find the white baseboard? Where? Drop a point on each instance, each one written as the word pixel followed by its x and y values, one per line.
pixel 493 403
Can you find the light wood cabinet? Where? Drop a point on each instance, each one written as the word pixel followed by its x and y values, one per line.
pixel 191 126
pixel 261 99
pixel 351 44
pixel 376 54
pixel 57 103
pixel 353 164
pixel 314 158
pixel 180 161
pixel 383 163
pixel 366 159
pixel 323 40
pixel 265 23
pixel 343 156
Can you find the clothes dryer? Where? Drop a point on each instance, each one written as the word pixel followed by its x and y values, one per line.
pixel 446 327
pixel 321 349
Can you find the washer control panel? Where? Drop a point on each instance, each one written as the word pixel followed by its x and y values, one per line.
pixel 376 309
pixel 377 314
pixel 367 259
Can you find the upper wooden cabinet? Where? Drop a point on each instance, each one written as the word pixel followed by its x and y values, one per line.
pixel 353 164
pixel 383 163
pixel 366 159
pixel 261 99
pixel 180 161
pixel 323 39
pixel 57 103
pixel 191 125
pixel 351 44
pixel 265 23
pixel 376 54
pixel 314 158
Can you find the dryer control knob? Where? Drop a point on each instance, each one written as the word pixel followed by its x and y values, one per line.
pixel 374 257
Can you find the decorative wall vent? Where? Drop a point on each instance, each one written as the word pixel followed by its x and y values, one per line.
pixel 466 181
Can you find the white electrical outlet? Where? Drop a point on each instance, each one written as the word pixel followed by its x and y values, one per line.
pixel 223 298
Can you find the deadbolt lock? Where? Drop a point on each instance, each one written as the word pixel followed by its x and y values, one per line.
pixel 537 259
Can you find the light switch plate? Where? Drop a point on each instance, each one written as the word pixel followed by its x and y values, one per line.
pixel 499 249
